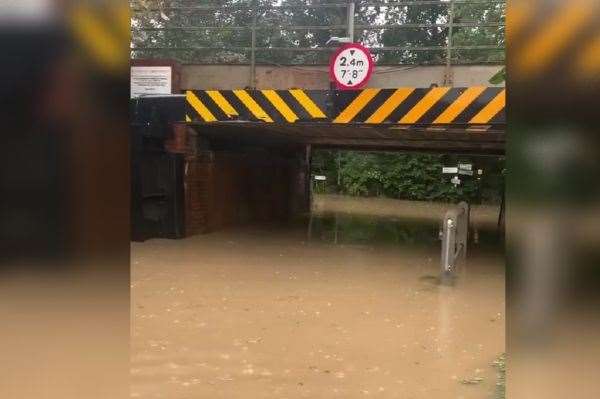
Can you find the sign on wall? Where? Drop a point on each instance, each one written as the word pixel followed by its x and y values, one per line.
pixel 351 66
pixel 150 80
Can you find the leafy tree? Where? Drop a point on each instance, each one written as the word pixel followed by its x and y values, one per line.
pixel 274 30
pixel 407 176
pixel 483 13
pixel 415 37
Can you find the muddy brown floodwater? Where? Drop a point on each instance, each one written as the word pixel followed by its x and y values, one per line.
pixel 267 312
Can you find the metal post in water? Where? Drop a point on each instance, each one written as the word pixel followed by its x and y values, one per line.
pixel 455 230
pixel 448 242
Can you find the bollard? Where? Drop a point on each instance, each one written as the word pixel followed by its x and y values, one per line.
pixel 455 231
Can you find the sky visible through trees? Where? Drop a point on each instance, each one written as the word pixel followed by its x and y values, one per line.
pixel 415 30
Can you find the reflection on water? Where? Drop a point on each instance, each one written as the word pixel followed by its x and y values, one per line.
pixel 371 230
pixel 358 229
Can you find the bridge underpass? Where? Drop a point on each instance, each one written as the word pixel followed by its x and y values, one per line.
pixel 223 157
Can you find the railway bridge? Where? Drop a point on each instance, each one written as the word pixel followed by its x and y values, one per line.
pixel 205 159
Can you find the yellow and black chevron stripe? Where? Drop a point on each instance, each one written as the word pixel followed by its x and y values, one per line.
pixel 402 106
pixel 271 106
pixel 411 106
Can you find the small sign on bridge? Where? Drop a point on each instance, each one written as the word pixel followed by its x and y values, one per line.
pixel 351 66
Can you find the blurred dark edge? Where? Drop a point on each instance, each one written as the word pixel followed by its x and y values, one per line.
pixel 553 202
pixel 65 150
pixel 64 218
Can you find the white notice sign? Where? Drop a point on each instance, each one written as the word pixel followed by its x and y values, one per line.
pixel 450 170
pixel 150 80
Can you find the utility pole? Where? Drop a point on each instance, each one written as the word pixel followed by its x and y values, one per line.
pixel 448 78
pixel 252 79
pixel 350 20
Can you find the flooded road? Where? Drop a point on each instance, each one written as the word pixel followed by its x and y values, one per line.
pixel 267 312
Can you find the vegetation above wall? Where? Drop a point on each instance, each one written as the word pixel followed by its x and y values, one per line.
pixel 187 31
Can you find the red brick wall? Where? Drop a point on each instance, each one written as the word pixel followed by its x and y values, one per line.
pixel 228 189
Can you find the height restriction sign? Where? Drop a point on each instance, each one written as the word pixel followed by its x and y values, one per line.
pixel 351 66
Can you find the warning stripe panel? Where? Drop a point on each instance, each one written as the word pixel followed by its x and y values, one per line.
pixel 491 109
pixel 281 106
pixel 271 106
pixel 380 98
pixel 252 105
pixel 200 107
pixel 428 101
pixel 440 106
pixel 409 106
pixel 307 103
pixel 222 103
pixel 389 105
pixel 477 105
pixel 356 106
pixel 402 106
pixel 294 105
pixel 208 101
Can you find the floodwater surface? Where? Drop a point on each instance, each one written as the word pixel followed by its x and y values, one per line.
pixel 351 311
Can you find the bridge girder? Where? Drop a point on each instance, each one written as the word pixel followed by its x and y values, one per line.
pixel 441 119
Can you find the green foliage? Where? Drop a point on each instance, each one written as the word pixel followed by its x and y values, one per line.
pixel 415 37
pixel 274 31
pixel 499 77
pixel 484 13
pixel 406 176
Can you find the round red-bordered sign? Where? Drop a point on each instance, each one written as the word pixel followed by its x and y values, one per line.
pixel 351 66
